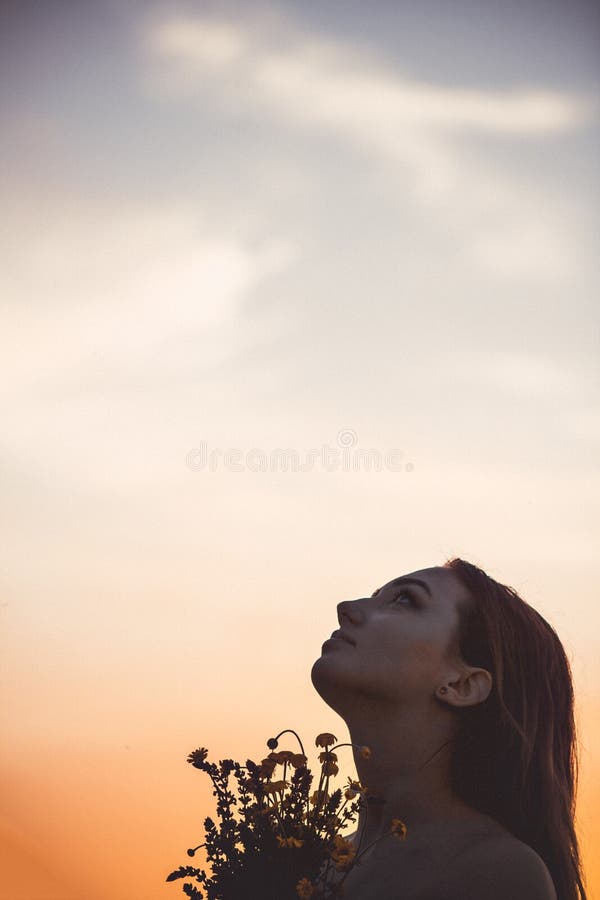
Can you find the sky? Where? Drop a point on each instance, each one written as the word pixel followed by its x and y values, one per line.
pixel 294 298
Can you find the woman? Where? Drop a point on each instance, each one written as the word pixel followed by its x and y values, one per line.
pixel 463 693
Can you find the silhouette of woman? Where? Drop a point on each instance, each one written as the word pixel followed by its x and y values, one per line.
pixel 464 694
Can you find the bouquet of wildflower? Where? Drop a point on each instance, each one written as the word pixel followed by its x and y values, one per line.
pixel 277 839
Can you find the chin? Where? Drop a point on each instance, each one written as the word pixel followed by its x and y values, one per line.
pixel 329 683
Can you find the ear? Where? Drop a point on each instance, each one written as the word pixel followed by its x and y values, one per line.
pixel 471 687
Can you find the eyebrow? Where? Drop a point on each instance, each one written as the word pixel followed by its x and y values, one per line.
pixel 407 580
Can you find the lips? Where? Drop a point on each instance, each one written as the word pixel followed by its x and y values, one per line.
pixel 339 635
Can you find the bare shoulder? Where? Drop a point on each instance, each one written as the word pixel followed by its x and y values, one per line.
pixel 502 867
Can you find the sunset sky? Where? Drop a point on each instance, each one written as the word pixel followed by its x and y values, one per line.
pixel 257 230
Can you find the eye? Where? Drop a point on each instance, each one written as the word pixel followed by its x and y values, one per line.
pixel 404 592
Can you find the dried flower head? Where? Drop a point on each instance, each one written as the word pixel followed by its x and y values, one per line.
pixel 398 828
pixel 289 842
pixel 343 853
pixel 298 760
pixel 266 768
pixel 305 889
pixel 353 789
pixel 327 756
pixel 325 740
pixel 282 756
pixel 318 797
pixel 197 757
pixel 274 787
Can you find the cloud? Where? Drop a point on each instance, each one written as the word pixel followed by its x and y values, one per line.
pixel 425 134
pixel 523 374
pixel 197 43
pixel 126 289
pixel 336 88
pixel 343 88
pixel 109 324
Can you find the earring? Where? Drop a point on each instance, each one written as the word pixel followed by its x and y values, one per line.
pixel 443 690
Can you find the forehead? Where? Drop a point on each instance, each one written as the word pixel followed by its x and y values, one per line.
pixel 444 585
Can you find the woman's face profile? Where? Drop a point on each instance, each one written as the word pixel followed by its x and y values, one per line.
pixel 396 646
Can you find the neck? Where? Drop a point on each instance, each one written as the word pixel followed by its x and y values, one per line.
pixel 408 773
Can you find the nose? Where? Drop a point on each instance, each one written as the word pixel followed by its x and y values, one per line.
pixel 351 610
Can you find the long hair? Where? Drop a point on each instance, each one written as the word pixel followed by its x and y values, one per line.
pixel 515 754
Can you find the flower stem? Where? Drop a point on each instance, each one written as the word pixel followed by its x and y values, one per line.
pixel 291 731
